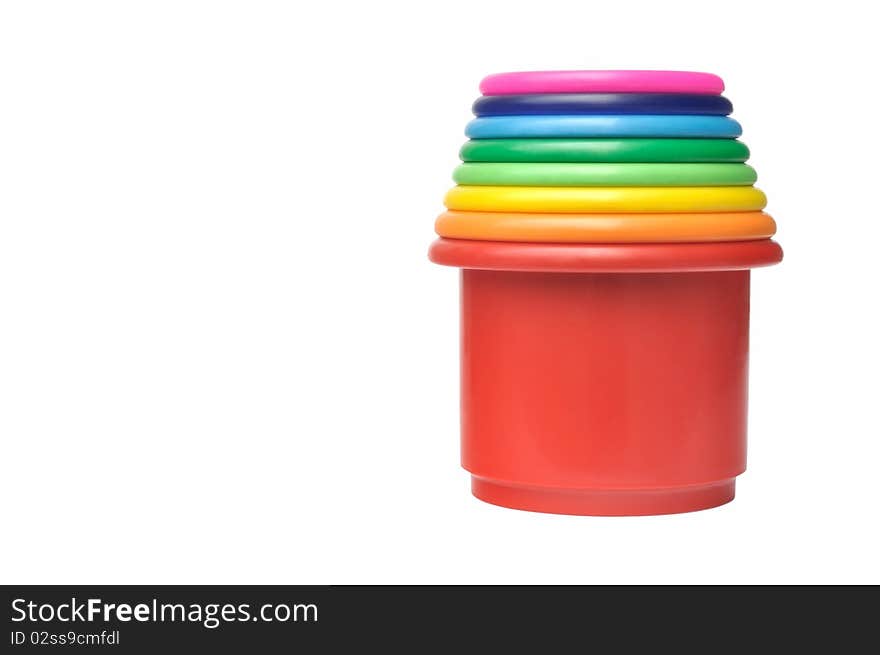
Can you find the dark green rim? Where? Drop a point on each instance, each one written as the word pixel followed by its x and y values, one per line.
pixel 605 150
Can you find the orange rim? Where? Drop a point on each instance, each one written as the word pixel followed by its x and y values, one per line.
pixel 605 228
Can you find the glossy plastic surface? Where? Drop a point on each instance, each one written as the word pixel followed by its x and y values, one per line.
pixel 605 258
pixel 605 228
pixel 601 81
pixel 604 394
pixel 605 174
pixel 604 150
pixel 602 103
pixel 507 127
pixel 627 199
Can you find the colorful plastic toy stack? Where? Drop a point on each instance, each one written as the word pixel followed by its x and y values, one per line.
pixel 605 223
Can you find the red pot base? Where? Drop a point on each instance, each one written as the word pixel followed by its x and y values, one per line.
pixel 590 502
pixel 604 380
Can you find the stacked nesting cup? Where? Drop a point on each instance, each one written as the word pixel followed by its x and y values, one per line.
pixel 605 224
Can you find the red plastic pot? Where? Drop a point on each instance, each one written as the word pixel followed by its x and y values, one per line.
pixel 604 379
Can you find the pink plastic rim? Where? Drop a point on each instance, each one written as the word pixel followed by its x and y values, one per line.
pixel 596 81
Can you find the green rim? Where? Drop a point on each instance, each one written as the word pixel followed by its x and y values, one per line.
pixel 604 150
pixel 540 174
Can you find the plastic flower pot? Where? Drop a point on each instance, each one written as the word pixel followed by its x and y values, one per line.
pixel 604 379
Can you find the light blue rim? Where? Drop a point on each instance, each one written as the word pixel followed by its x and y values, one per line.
pixel 512 127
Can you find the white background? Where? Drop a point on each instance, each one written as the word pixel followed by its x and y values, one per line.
pixel 225 358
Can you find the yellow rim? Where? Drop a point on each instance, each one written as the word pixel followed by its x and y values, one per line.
pixel 605 199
